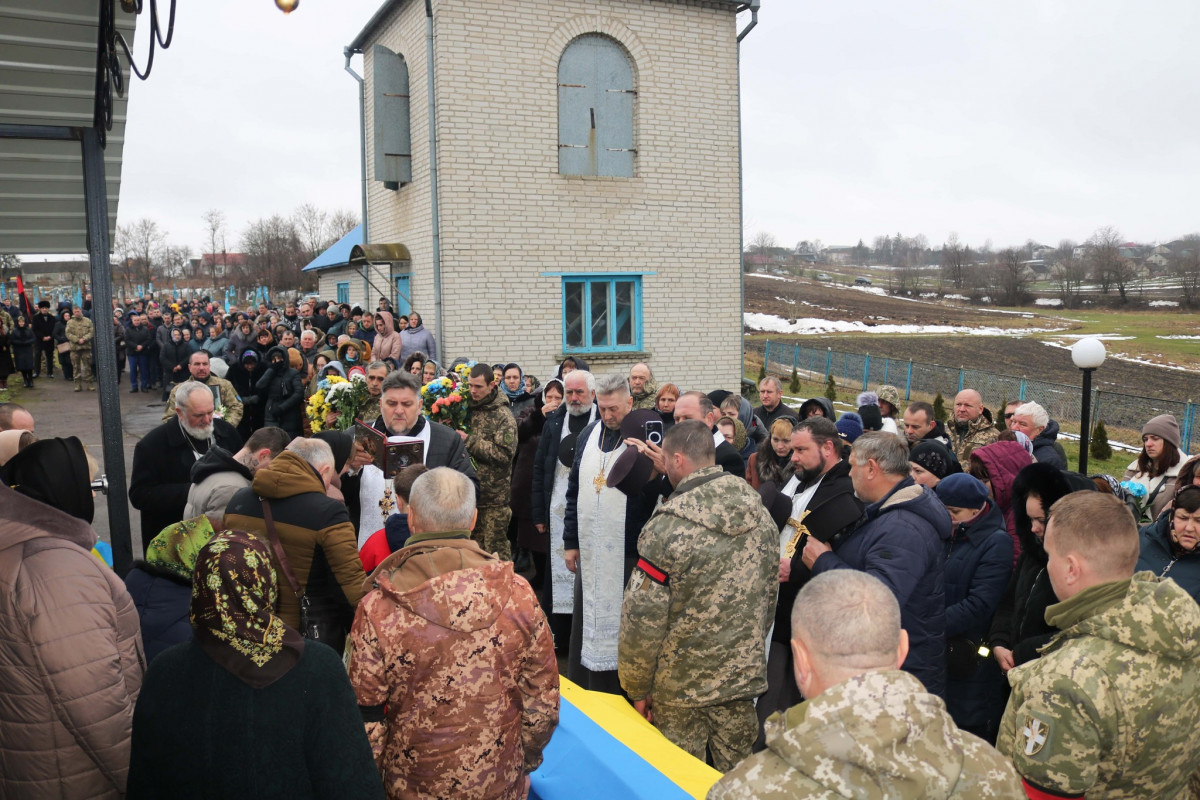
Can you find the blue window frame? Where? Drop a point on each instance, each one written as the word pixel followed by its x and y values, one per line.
pixel 343 292
pixel 403 295
pixel 602 313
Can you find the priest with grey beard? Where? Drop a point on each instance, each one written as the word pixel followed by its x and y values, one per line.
pixel 163 459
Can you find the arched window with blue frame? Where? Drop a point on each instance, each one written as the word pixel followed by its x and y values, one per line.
pixel 595 108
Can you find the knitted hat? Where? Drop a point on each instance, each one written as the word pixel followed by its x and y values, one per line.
pixel 850 427
pixel 868 399
pixel 872 418
pixel 1164 426
pixel 962 491
pixel 933 457
pixel 295 360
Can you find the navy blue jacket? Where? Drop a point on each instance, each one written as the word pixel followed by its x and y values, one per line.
pixel 162 600
pixel 1156 556
pixel 978 565
pixel 1046 449
pixel 901 541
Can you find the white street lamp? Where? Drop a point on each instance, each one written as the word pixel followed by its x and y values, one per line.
pixel 1088 354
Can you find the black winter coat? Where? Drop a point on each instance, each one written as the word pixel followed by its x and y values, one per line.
pixel 162 473
pixel 163 600
pixel 978 565
pixel 137 335
pixel 530 423
pixel 833 510
pixel 545 463
pixel 175 354
pixel 283 396
pixel 22 341
pixel 1156 556
pixel 245 383
pixel 43 326
pixel 1020 621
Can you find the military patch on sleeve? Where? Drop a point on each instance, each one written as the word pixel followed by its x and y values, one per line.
pixel 1034 735
pixel 653 573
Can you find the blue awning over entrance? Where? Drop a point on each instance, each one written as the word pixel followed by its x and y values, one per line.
pixel 338 254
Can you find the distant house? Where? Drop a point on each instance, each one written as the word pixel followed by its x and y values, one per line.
pixel 1158 262
pixel 55 273
pixel 839 255
pixel 1036 269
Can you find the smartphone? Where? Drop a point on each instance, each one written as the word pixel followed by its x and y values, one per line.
pixel 654 432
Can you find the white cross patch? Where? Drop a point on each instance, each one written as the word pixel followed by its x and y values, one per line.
pixel 1035 736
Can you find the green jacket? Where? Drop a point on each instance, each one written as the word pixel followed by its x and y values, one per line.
pixel 492 445
pixel 1110 708
pixel 80 328
pixel 876 735
pixel 698 608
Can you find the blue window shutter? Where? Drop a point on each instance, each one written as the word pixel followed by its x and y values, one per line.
pixel 392 134
pixel 403 295
pixel 595 108
pixel 343 292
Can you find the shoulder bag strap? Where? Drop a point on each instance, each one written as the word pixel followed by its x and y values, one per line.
pixel 278 548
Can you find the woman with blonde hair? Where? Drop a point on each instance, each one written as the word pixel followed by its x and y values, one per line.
pixel 773 459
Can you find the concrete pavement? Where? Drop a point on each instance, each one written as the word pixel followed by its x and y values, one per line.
pixel 59 411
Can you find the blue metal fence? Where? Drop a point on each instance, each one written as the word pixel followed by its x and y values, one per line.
pixel 1123 414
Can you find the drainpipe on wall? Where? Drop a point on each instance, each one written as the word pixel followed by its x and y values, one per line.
pixel 362 157
pixel 433 185
pixel 751 6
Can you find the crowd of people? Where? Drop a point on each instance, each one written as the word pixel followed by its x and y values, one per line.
pixel 870 603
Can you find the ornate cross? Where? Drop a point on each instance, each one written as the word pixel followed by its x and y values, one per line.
pixel 801 532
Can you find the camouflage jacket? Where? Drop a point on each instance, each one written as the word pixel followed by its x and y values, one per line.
pixel 980 432
pixel 1110 708
pixel 876 735
pixel 370 409
pixel 453 666
pixel 646 397
pixel 81 328
pixel 492 445
pixel 708 564
pixel 229 399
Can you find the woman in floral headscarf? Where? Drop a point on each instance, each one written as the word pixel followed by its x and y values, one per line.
pixel 161 586
pixel 245 709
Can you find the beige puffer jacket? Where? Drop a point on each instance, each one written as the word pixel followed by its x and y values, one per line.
pixel 71 660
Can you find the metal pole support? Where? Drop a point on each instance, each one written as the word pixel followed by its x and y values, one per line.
pixel 96 201
pixel 1085 432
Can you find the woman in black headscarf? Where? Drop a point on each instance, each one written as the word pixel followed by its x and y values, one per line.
pixel 245 709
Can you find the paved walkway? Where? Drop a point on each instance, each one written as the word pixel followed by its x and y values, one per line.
pixel 59 411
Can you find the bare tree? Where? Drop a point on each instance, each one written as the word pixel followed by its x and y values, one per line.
pixel 1009 278
pixel 1185 265
pixel 274 254
pixel 312 225
pixel 214 224
pixel 141 245
pixel 341 222
pixel 1103 253
pixel 1069 274
pixel 175 258
pixel 956 258
pixel 763 243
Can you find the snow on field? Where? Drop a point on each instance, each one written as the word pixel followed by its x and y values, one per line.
pixel 1121 356
pixel 769 277
pixel 1047 301
pixel 1105 337
pixel 1178 336
pixel 956 297
pixel 876 290
pixel 787 300
pixel 773 324
pixel 1163 304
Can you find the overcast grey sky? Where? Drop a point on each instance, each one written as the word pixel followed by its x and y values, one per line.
pixel 997 121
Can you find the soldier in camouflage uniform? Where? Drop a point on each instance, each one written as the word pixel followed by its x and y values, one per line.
pixel 1110 708
pixel 454 674
pixel 492 445
pixel 80 333
pixel 198 366
pixel 700 603
pixel 642 386
pixel 867 730
pixel 971 426
pixel 376 372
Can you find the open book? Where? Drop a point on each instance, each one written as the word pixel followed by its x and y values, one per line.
pixel 390 453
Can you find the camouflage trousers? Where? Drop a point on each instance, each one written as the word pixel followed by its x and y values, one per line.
pixel 491 530
pixel 81 366
pixel 727 730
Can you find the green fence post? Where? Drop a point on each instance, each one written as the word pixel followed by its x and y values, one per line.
pixel 908 383
pixel 866 370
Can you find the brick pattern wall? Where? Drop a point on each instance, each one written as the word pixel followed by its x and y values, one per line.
pixel 508 217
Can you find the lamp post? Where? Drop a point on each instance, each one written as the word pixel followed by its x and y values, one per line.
pixel 1088 354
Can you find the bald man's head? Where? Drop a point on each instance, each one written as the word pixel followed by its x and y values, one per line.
pixel 968 405
pixel 14 416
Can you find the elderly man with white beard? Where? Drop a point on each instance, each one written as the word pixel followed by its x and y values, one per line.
pixel 163 459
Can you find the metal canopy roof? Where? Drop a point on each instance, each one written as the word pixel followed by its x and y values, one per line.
pixel 338 253
pixel 48 65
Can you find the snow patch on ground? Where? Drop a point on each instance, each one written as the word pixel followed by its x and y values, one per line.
pixel 774 324
pixel 786 300
pixel 769 277
pixel 1047 301
pixel 1178 336
pixel 1125 356
pixel 1104 337
pixel 955 297
pixel 1163 304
